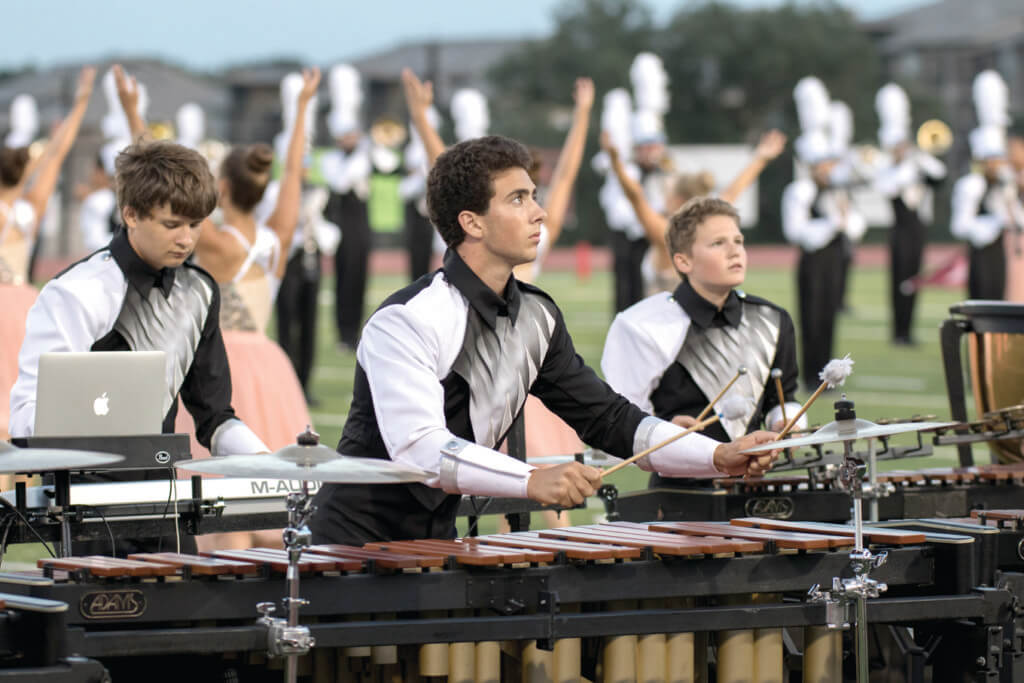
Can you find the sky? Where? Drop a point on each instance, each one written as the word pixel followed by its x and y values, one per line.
pixel 210 34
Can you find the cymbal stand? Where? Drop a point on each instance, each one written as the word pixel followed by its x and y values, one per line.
pixel 62 496
pixel 286 637
pixel 857 589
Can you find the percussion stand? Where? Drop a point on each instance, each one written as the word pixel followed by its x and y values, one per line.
pixel 860 587
pixel 286 637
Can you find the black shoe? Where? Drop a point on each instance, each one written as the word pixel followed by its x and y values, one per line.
pixel 903 341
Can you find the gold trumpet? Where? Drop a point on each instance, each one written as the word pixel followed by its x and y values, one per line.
pixel 935 137
pixel 37 147
pixel 388 132
pixel 161 130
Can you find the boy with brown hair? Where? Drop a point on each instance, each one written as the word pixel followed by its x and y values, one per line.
pixel 140 294
pixel 671 354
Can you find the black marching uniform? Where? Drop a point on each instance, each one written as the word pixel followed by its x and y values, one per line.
pixel 348 175
pixel 907 184
pixel 297 301
pixel 671 355
pixel 811 220
pixel 980 214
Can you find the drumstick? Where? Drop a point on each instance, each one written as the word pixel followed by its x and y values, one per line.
pixel 833 375
pixel 732 409
pixel 777 376
pixel 707 409
pixel 689 430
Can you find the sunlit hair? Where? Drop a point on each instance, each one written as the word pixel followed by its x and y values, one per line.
pixel 13 161
pixel 682 226
pixel 462 179
pixel 150 175
pixel 247 171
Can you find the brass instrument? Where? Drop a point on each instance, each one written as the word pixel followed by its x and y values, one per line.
pixel 37 147
pixel 161 130
pixel 934 137
pixel 388 132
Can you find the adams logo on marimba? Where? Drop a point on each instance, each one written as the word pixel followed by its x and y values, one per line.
pixel 775 507
pixel 117 604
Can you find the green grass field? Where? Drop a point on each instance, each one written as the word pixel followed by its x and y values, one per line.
pixel 887 382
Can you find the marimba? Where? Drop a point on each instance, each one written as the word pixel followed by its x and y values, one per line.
pixel 913 494
pixel 611 602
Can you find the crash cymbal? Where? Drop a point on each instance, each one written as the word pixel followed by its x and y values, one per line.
pixel 27 460
pixel 849 430
pixel 308 463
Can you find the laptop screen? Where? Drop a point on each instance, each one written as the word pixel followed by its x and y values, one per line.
pixel 108 393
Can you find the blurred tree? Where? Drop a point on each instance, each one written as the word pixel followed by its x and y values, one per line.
pixel 532 90
pixel 731 72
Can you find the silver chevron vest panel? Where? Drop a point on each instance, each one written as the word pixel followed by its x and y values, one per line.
pixel 500 365
pixel 712 357
pixel 173 324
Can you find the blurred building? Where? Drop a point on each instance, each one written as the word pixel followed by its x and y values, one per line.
pixel 938 48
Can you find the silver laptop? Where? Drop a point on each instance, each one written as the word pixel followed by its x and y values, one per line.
pixel 101 393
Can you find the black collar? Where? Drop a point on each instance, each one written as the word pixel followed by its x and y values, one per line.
pixel 137 271
pixel 703 313
pixel 481 297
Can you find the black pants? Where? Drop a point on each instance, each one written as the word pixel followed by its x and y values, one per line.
pixel 351 265
pixel 297 312
pixel 419 240
pixel 987 276
pixel 819 285
pixel 628 256
pixel 906 249
pixel 354 514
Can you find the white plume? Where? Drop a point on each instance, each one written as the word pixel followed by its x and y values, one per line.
pixel 836 371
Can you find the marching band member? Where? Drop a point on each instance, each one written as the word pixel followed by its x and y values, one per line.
pixel 122 297
pixel 347 170
pixel 908 181
pixel 984 202
pixel 981 212
pixel 25 189
pixel 816 216
pixel 1015 259
pixel 469 344
pixel 297 303
pixel 419 233
pixel 671 354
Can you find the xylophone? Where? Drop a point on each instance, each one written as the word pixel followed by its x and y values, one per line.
pixel 911 494
pixel 623 601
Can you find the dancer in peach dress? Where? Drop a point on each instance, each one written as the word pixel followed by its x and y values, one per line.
pixel 25 187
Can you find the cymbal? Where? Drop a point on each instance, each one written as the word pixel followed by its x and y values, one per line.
pixel 26 460
pixel 849 430
pixel 308 463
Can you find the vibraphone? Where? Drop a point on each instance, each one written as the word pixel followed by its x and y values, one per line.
pixel 913 494
pixel 665 601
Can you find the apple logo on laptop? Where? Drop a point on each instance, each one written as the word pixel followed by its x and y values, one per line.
pixel 101 406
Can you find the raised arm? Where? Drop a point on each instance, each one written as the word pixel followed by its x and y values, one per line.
pixel 564 176
pixel 655 225
pixel 768 148
pixel 419 96
pixel 285 216
pixel 48 169
pixel 128 93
